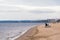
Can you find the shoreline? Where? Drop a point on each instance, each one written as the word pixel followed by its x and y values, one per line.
pixel 21 33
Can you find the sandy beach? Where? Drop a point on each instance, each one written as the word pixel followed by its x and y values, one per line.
pixel 40 32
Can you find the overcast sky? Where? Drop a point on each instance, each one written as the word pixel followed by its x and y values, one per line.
pixel 29 9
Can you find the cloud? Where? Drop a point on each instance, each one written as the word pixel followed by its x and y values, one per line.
pixel 27 16
pixel 32 2
pixel 43 11
pixel 29 9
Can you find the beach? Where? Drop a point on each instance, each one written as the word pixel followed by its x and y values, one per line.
pixel 40 32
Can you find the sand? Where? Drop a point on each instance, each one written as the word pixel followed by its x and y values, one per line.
pixel 40 32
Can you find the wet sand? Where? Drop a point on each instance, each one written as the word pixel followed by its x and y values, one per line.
pixel 40 32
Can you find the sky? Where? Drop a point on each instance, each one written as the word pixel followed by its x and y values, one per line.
pixel 29 9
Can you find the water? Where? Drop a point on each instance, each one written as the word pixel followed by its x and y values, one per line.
pixel 10 30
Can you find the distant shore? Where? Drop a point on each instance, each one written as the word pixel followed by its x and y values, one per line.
pixel 30 21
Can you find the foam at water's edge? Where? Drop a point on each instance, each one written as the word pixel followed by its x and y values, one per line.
pixel 21 34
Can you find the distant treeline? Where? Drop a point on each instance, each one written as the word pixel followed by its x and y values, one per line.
pixel 36 21
pixel 25 21
pixel 30 21
pixel 58 20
